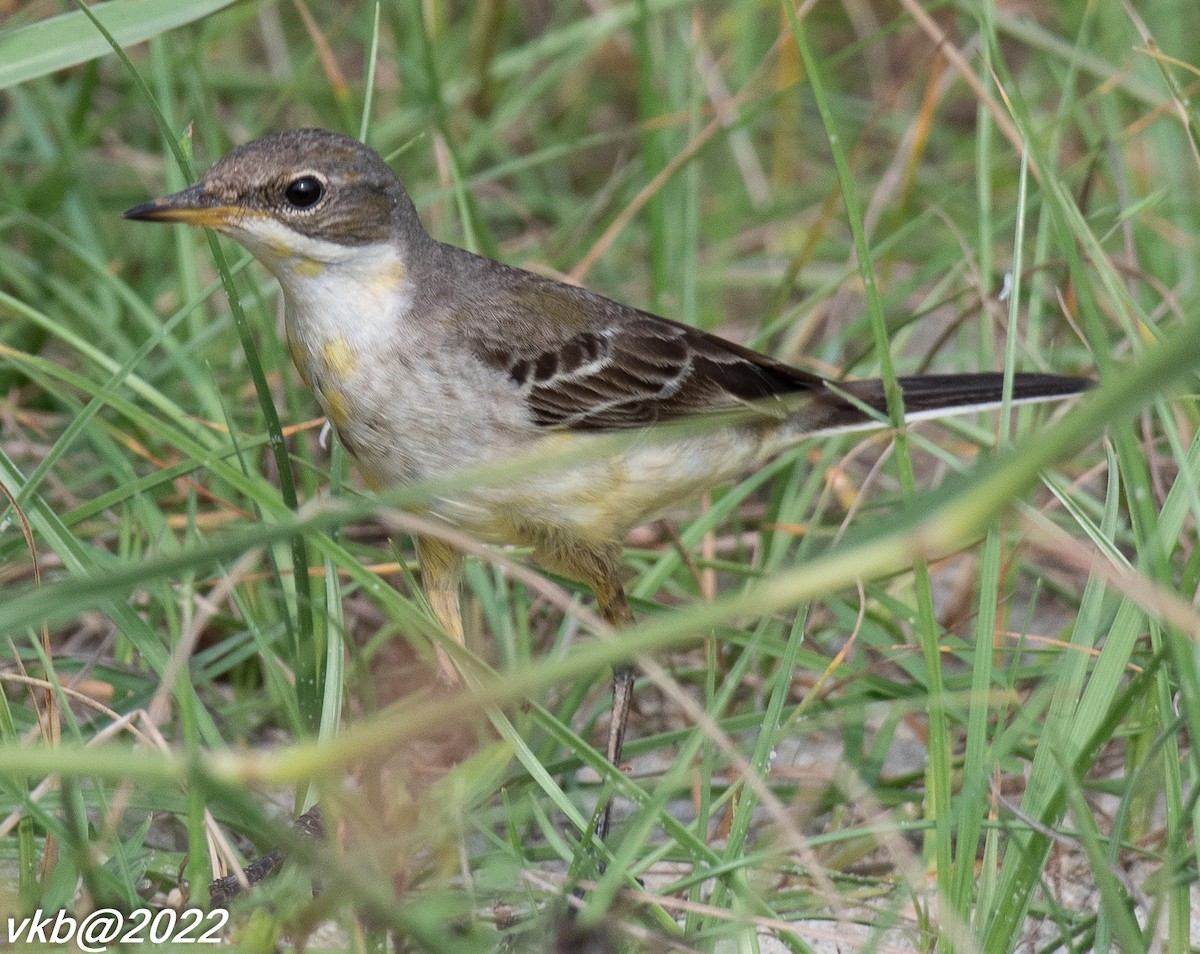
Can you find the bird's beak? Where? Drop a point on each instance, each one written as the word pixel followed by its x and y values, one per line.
pixel 193 206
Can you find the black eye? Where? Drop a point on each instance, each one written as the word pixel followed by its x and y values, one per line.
pixel 305 192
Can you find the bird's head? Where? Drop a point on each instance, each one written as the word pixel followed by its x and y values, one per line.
pixel 291 198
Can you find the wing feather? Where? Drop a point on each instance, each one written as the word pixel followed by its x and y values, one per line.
pixel 584 362
pixel 631 368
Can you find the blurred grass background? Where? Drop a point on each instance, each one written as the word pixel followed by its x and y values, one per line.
pixel 986 752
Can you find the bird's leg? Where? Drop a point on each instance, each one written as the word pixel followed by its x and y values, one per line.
pixel 614 607
pixel 223 890
pixel 441 571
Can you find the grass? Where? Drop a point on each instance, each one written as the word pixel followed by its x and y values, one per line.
pixel 903 693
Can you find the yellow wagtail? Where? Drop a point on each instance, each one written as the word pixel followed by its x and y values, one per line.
pixel 430 360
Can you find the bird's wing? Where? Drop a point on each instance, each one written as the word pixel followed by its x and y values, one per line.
pixel 599 365
pixel 585 362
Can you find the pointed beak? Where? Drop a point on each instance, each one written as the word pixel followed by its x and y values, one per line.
pixel 193 206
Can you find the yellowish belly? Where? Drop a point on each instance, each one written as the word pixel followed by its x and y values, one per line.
pixel 600 499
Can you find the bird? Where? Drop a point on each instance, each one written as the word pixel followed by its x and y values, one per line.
pixel 431 361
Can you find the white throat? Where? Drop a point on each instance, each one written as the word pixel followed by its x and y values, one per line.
pixel 332 292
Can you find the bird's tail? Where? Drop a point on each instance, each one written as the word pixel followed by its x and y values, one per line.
pixel 927 396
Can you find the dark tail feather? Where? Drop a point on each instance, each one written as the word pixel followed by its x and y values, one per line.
pixel 927 394
pixel 933 391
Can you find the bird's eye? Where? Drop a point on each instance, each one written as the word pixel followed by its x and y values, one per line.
pixel 304 192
